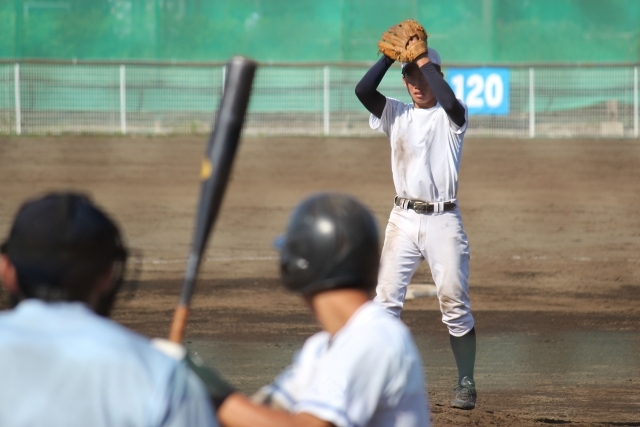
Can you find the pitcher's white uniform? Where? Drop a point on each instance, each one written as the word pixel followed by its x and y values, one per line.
pixel 426 148
pixel 368 374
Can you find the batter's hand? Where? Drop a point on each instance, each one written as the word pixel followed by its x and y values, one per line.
pixel 266 397
pixel 404 42
pixel 217 387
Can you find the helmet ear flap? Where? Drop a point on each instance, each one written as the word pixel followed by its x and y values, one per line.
pixel 301 264
pixel 287 264
pixel 294 266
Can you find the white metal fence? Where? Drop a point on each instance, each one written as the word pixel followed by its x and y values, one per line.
pixel 55 97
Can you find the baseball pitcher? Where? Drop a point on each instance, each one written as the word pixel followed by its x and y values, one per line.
pixel 426 139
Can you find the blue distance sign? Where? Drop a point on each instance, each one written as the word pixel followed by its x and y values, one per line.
pixel 484 90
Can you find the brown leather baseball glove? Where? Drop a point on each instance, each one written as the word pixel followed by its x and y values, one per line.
pixel 395 42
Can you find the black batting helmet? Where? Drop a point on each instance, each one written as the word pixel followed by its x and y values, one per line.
pixel 60 244
pixel 331 242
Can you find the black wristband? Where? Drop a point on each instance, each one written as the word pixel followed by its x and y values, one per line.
pixel 217 387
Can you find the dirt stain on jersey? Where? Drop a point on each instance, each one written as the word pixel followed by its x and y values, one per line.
pixel 401 158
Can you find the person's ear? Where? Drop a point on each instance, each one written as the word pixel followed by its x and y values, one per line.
pixel 104 291
pixel 404 81
pixel 9 275
pixel 108 280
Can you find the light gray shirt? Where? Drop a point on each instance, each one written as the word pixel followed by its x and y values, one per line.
pixel 63 365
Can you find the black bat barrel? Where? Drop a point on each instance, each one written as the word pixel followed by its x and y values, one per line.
pixel 216 167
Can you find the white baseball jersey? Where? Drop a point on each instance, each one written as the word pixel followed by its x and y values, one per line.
pixel 63 365
pixel 368 374
pixel 426 147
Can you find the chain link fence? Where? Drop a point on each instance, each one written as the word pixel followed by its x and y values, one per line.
pixel 52 97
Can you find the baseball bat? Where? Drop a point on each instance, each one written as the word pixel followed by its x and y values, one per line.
pixel 214 174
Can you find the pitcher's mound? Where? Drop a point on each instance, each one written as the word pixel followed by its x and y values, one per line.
pixel 420 291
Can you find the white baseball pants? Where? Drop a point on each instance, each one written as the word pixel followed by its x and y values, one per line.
pixel 440 239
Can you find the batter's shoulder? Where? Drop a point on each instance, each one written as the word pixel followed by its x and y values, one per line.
pixel 378 325
pixel 315 343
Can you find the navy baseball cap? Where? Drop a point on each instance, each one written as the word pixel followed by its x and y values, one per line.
pixel 56 232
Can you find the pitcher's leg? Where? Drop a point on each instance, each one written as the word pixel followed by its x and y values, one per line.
pixel 447 252
pixel 399 260
pixel 464 351
pixel 448 256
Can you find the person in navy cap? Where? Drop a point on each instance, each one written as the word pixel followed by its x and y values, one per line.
pixel 62 361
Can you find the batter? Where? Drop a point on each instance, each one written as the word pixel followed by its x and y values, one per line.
pixel 363 368
pixel 426 138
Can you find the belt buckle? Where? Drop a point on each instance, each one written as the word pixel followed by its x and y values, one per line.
pixel 420 207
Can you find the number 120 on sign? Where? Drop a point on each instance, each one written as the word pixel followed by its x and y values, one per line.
pixel 484 90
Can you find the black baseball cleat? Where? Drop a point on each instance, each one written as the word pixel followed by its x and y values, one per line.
pixel 465 394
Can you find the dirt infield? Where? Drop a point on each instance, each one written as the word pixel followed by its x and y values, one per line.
pixel 553 226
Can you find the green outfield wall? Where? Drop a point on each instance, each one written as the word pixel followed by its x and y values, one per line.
pixel 465 31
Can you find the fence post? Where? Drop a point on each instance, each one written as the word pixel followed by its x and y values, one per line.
pixel 532 105
pixel 16 92
pixel 326 101
pixel 635 101
pixel 224 77
pixel 123 101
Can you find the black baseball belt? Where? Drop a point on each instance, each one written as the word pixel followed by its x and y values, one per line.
pixel 424 207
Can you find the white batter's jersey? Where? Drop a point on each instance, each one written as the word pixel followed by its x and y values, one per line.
pixel 368 374
pixel 426 147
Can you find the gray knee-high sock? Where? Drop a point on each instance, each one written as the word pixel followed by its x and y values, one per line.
pixel 464 351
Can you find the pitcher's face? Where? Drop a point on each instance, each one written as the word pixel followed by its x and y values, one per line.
pixel 418 87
